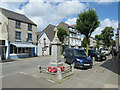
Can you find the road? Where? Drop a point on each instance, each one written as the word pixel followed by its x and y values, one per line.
pixel 103 75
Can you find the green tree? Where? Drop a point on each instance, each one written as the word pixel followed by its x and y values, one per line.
pixel 86 23
pixel 107 34
pixel 113 43
pixel 62 34
pixel 84 42
pixel 98 39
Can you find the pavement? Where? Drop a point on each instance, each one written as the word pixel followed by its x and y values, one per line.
pixel 23 73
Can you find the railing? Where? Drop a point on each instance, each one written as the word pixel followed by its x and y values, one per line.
pixel 64 73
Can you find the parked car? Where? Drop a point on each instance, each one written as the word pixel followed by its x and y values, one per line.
pixel 78 57
pixel 105 51
pixel 97 55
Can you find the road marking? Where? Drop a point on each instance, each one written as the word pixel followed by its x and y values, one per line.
pixel 2 76
pixel 23 73
pixel 51 81
pixel 35 76
pixel 7 63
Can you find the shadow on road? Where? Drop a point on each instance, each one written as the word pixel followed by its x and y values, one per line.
pixel 112 65
pixel 7 60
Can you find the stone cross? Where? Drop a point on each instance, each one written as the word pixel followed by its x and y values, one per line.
pixel 56 31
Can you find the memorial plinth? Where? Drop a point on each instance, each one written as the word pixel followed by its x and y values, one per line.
pixel 56 61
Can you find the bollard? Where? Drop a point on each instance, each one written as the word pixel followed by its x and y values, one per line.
pixel 39 68
pixel 93 61
pixel 59 74
pixel 72 68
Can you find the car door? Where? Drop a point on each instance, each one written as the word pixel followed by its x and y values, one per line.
pixel 71 56
pixel 67 55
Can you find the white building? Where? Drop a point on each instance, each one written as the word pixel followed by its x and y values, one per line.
pixel 3 36
pixel 74 38
pixel 45 38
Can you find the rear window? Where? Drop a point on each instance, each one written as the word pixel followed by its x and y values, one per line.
pixel 80 53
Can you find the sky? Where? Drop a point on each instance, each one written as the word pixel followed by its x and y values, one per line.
pixel 44 12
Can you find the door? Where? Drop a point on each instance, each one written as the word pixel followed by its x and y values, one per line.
pixel 30 52
pixel 3 52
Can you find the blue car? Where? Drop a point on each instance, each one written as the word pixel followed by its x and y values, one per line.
pixel 78 57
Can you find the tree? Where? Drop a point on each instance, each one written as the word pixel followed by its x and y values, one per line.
pixel 113 43
pixel 107 34
pixel 62 34
pixel 98 39
pixel 84 42
pixel 86 23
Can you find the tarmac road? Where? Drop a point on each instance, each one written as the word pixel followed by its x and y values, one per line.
pixel 103 75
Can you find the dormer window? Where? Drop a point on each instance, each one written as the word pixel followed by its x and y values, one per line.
pixel 18 24
pixel 30 27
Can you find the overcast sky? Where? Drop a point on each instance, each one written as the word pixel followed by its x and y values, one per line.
pixel 44 12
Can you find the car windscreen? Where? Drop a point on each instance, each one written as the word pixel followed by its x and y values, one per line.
pixel 80 53
pixel 97 52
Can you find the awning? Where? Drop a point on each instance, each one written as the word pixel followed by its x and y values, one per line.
pixel 23 44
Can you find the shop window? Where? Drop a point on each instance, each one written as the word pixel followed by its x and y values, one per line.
pixel 11 49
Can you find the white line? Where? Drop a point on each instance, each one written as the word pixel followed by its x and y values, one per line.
pixel 7 63
pixel 2 76
pixel 51 81
pixel 35 76
pixel 23 73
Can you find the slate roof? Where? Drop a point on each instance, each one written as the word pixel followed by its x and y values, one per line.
pixel 49 30
pixel 39 33
pixel 16 16
pixel 64 25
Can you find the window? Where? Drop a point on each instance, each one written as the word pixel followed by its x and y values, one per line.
pixel 29 37
pixel 29 27
pixel 44 41
pixel 18 24
pixel 18 35
pixel 13 49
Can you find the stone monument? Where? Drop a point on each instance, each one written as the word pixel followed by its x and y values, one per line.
pixel 56 61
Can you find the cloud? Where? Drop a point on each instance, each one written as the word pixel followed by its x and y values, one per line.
pixel 44 12
pixel 71 21
pixel 49 13
pixel 100 1
pixel 103 24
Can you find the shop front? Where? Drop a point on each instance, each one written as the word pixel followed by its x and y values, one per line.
pixel 22 50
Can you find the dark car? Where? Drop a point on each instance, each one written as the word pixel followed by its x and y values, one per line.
pixel 77 57
pixel 97 55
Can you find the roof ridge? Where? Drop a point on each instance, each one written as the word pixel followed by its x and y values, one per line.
pixel 16 16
